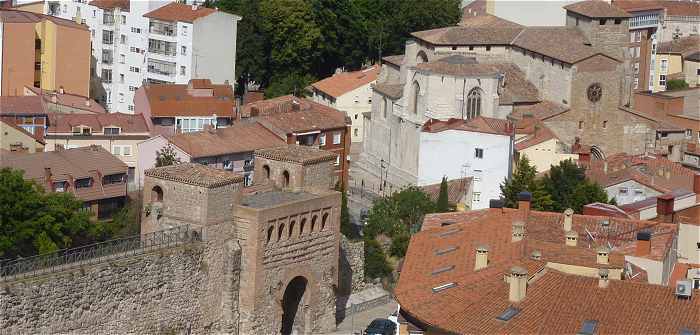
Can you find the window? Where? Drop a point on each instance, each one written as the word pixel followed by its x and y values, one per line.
pixel 477 197
pixel 184 30
pixel 111 131
pixel 588 327
pixel 106 76
pixel 107 37
pixel 113 179
pixel 183 50
pixel 479 153
pixel 123 19
pixel 662 80
pixel 92 33
pixel 664 66
pixel 637 36
pixel 473 103
pixel 605 124
pixel 623 190
pixel 602 22
pixel 94 13
pixel 471 48
pixel 336 138
pixel 508 314
pixel 121 78
pixel 356 132
pixel 580 125
pixel 636 82
pixel 356 116
pixel 688 133
pixel 122 58
pixel 122 39
pixel 182 70
pixel 416 92
pixel 131 108
pixel 337 160
pixel 322 140
pixel 121 97
pixel 121 150
pixel 134 69
pixel 385 106
pixel 132 88
pixel 488 48
pixel 618 21
pixel 83 183
pixel 187 125
pixel 59 186
pixel 135 30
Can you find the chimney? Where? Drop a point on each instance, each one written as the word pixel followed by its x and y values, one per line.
pixel 60 90
pixel 603 278
pixel 482 257
pixel 568 219
pixel 603 255
pixel 664 208
pixel 643 243
pixel 195 7
pixel 524 199
pixel 571 238
pixel 518 231
pixel 518 284
pixel 87 102
pixel 696 183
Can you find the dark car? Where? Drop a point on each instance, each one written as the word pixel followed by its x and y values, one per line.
pixel 381 327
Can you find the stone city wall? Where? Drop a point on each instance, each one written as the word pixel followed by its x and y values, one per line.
pixel 180 289
pixel 352 266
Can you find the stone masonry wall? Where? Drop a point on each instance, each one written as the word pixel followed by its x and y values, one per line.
pixel 192 287
pixel 352 266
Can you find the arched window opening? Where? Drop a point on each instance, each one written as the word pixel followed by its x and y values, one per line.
pixel 416 93
pixel 421 57
pixel 385 107
pixel 269 233
pixel 285 178
pixel 280 230
pixel 474 103
pixel 323 221
pixel 302 226
pixel 156 194
pixel 291 229
pixel 313 223
pixel 266 170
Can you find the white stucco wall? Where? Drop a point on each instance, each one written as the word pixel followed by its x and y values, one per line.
pixel 354 103
pixel 653 268
pixel 214 48
pixel 635 192
pixel 688 239
pixel 546 154
pixel 147 155
pixel 451 153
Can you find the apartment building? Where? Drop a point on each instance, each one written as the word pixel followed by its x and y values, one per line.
pixel 42 51
pixel 152 41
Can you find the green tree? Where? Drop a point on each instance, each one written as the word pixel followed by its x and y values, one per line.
pixel 376 265
pixel 293 83
pixel 399 245
pixel 167 156
pixel 32 221
pixel 676 84
pixel 443 204
pixel 345 224
pixel 585 193
pixel 402 212
pixel 523 179
pixel 561 181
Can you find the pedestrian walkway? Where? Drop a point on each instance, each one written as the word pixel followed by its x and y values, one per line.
pixel 356 323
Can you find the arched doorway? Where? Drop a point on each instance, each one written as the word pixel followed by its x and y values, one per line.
pixel 156 194
pixel 597 153
pixel 293 307
pixel 285 179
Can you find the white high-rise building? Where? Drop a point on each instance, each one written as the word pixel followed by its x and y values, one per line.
pixel 152 40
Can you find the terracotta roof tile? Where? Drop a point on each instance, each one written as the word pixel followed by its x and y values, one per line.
pixel 540 111
pixel 239 138
pixel 393 91
pixel 69 100
pixel 169 100
pixel 344 82
pixel 288 114
pixel 124 5
pixel 685 46
pixel 129 123
pixel 563 43
pixel 296 154
pixel 195 174
pixel 459 35
pixel 597 9
pixel 21 105
pixel 179 12
pixel 540 133
pixel 396 60
pixel 656 172
pixel 681 8
pixel 479 124
pixel 487 20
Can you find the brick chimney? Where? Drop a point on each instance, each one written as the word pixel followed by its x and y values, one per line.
pixel 568 219
pixel 643 244
pixel 696 183
pixel 571 238
pixel 603 278
pixel 664 208
pixel 603 256
pixel 518 284
pixel 482 257
pixel 524 199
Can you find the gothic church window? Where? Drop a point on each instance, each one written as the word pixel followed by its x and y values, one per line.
pixel 474 103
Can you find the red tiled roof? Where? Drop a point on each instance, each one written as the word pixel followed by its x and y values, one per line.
pixel 21 105
pixel 239 138
pixel 479 124
pixel 129 123
pixel 20 16
pixel 658 173
pixel 394 59
pixel 541 110
pixel 344 82
pixel 170 100
pixel 289 114
pixel 69 100
pixel 557 303
pixel 539 133
pixel 124 5
pixel 487 20
pixel 179 12
pixel 597 9
pixel 672 7
pixel 684 46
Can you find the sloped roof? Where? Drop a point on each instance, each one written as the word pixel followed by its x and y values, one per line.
pixel 563 43
pixel 297 115
pixel 20 16
pixel 467 35
pixel 12 124
pixel 597 9
pixel 129 123
pixel 22 105
pixel 658 173
pixel 540 111
pixel 685 46
pixel 69 100
pixel 239 138
pixel 480 124
pixel 296 154
pixel 195 174
pixel 672 7
pixel 487 20
pixel 124 5
pixel 344 82
pixel 540 133
pixel 179 12
pixel 394 91
pixel 394 59
pixel 456 189
pixel 169 100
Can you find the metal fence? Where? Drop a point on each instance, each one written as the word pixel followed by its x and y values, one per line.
pixel 94 253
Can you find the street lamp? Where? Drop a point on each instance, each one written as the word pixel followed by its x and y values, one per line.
pixel 382 166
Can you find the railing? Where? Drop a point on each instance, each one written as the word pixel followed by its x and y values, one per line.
pixel 94 253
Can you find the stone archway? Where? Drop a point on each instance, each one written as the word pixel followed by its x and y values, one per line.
pixel 293 311
pixel 597 153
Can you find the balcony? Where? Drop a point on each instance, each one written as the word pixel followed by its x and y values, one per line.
pixel 108 19
pixel 164 29
pixel 161 68
pixel 644 21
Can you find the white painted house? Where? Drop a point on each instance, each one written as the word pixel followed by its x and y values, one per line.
pixel 152 40
pixel 350 92
pixel 481 148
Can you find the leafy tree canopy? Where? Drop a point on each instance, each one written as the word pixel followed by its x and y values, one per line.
pixel 167 156
pixel 400 213
pixel 33 222
pixel 524 180
pixel 676 84
pixel 443 204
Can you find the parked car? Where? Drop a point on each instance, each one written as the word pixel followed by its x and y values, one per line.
pixel 381 327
